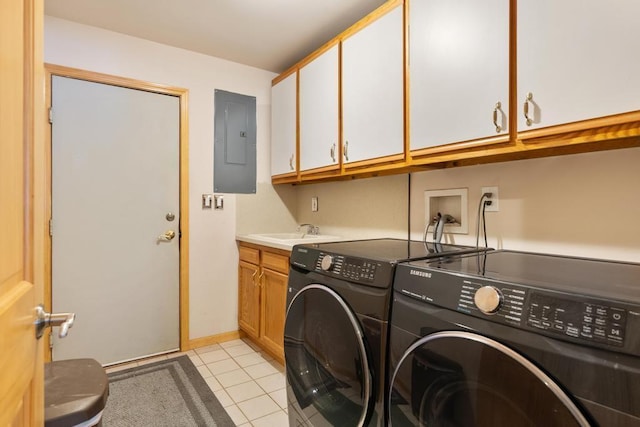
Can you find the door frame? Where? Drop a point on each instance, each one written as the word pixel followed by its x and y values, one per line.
pixel 62 71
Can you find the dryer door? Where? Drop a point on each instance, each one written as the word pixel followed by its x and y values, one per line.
pixel 329 381
pixel 458 378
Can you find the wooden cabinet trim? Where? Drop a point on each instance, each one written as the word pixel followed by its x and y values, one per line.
pixel 375 162
pixel 465 145
pixel 332 168
pixel 284 75
pixel 611 126
pixel 290 175
pixel 285 179
pixel 370 18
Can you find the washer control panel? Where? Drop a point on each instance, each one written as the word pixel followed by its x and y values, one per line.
pixel 353 269
pixel 592 321
pixel 505 302
pixel 572 317
pixel 364 271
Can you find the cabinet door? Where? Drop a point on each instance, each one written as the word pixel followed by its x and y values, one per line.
pixel 372 90
pixel 248 299
pixel 319 111
pixel 578 59
pixel 274 300
pixel 283 126
pixel 458 70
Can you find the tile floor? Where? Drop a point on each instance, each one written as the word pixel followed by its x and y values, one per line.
pixel 249 384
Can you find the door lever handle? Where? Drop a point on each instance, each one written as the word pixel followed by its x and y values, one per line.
pixel 167 236
pixel 44 319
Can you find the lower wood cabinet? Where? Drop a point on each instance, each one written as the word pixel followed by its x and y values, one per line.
pixel 263 274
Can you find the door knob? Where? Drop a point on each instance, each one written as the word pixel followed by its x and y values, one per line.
pixel 44 319
pixel 167 236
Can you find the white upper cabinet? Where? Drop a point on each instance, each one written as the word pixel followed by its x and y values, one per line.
pixel 372 90
pixel 578 59
pixel 283 126
pixel 319 111
pixel 458 70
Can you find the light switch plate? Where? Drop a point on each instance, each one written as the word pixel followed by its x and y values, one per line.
pixel 218 202
pixel 314 204
pixel 206 201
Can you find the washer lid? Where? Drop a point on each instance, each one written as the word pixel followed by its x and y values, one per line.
pixel 458 378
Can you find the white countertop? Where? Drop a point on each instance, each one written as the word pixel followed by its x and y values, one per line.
pixel 285 241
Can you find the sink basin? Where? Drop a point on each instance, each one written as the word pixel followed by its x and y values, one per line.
pixel 290 237
pixel 281 236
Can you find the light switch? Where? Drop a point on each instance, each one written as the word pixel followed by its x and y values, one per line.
pixel 218 202
pixel 206 201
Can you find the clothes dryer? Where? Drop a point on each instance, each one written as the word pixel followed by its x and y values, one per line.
pixel 515 339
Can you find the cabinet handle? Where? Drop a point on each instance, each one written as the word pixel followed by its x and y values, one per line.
pixel 526 108
pixel 497 108
pixel 291 162
pixel 332 152
pixel 260 279
pixel 346 150
pixel 253 277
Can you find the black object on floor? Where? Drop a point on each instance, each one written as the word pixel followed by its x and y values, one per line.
pixel 76 391
pixel 167 393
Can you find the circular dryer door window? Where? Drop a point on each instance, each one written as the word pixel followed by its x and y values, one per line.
pixel 464 379
pixel 328 377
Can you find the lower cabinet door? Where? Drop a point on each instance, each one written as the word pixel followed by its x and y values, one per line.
pixel 274 299
pixel 249 299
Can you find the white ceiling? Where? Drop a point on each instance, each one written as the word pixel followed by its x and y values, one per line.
pixel 267 34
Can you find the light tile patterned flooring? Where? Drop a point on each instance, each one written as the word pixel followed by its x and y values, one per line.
pixel 249 384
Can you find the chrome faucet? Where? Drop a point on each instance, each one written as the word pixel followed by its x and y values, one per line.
pixel 311 229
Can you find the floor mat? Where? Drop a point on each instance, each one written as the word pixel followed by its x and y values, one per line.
pixel 167 393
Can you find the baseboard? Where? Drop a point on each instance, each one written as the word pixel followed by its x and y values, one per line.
pixel 214 339
pixel 276 355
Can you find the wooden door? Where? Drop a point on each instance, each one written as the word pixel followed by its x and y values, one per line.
pixel 249 299
pixel 21 89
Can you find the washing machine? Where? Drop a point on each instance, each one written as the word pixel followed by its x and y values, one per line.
pixel 510 338
pixel 336 328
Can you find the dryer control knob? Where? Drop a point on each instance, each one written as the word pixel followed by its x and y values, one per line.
pixel 488 299
pixel 327 262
